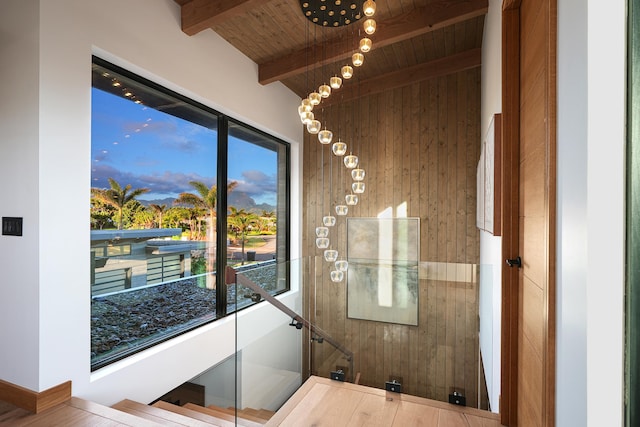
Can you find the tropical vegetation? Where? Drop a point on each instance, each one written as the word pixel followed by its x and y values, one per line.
pixel 117 197
pixel 193 212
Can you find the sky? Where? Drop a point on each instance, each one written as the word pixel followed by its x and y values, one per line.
pixel 147 148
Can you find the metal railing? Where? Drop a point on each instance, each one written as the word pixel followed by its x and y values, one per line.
pixel 242 280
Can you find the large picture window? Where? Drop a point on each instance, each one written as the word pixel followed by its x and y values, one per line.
pixel 180 194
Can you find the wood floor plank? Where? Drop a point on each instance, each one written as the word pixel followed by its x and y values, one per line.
pixel 332 409
pixel 158 415
pixel 475 421
pixel 412 414
pixel 322 402
pixel 373 411
pixel 107 412
pixel 198 415
pixel 78 412
pixel 451 419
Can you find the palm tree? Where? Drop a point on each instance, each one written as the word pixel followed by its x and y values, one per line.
pixel 159 210
pixel 117 196
pixel 243 221
pixel 267 220
pixel 206 198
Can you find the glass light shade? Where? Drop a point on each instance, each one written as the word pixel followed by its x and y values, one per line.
pixel 314 126
pixel 351 199
pixel 370 26
pixel 306 117
pixel 322 243
pixel 322 231
pixel 337 276
pixel 306 103
pixel 325 136
pixel 369 8
pixel 324 91
pixel 357 174
pixel 335 82
pixel 347 72
pixel 342 265
pixel 315 98
pixel 342 209
pixel 351 161
pixel 358 187
pixel 339 148
pixel 330 255
pixel 357 59
pixel 329 220
pixel 365 45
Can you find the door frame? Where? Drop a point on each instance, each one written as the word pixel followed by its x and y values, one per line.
pixel 511 215
pixel 632 289
pixel 510 221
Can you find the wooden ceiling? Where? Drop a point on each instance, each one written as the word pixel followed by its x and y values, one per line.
pixel 415 40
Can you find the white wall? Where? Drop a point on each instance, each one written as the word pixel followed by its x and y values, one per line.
pixel 19 156
pixel 491 246
pixel 571 355
pixel 46 159
pixel 605 226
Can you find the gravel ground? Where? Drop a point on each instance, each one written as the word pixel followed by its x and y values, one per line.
pixel 131 320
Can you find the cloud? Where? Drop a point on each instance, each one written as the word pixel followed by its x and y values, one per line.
pixel 170 134
pixel 102 156
pixel 167 184
pixel 257 184
pixel 181 144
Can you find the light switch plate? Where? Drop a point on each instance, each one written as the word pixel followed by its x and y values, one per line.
pixel 11 226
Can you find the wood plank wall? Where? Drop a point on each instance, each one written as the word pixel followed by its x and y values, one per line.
pixel 419 145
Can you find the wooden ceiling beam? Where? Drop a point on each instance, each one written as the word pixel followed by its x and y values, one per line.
pixel 427 70
pixel 436 15
pixel 198 15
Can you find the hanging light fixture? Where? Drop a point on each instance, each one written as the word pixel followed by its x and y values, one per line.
pixel 357 174
pixel 357 59
pixel 370 26
pixel 339 148
pixel 351 161
pixel 358 187
pixel 322 231
pixel 322 242
pixel 325 136
pixel 330 255
pixel 342 265
pixel 337 276
pixel 331 13
pixel 315 98
pixel 306 117
pixel 365 44
pixel 324 90
pixel 329 220
pixel 369 8
pixel 351 199
pixel 313 126
pixel 306 104
pixel 347 72
pixel 342 210
pixel 335 82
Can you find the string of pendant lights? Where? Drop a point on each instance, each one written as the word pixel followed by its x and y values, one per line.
pixel 320 12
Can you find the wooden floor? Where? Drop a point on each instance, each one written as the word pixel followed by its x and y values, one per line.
pixel 323 402
pixel 319 402
pixel 75 412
